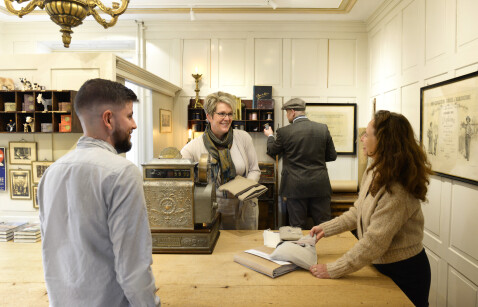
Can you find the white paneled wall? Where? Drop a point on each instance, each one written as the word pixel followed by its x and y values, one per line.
pixel 414 43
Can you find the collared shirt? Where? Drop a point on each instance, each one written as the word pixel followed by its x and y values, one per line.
pixel 96 241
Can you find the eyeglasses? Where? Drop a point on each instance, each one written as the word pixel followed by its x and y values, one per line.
pixel 223 115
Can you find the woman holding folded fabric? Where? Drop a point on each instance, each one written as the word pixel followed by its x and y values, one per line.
pixel 232 153
pixel 387 214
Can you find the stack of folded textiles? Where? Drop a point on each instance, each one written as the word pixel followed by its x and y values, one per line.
pixel 243 188
pixel 30 233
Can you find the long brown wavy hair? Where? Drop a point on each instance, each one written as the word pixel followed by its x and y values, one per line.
pixel 399 158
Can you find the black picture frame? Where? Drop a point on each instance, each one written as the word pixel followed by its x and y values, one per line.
pixel 449 127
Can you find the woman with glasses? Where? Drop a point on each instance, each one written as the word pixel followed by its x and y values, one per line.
pixel 232 153
pixel 387 214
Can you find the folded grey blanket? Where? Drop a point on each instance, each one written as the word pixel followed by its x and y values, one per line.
pixel 243 188
pixel 301 252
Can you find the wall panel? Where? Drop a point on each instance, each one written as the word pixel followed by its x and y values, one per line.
pixel 72 79
pixel 342 63
pixel 232 62
pixel 410 102
pixel 436 24
pixel 410 36
pixel 159 56
pixel 466 29
pixel 461 292
pixel 268 61
pixel 305 59
pixel 196 53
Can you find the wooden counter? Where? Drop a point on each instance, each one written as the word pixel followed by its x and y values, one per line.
pixel 215 280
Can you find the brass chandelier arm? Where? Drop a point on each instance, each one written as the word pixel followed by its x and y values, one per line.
pixel 24 10
pixel 102 21
pixel 115 11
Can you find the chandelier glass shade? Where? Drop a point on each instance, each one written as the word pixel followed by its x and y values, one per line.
pixel 71 13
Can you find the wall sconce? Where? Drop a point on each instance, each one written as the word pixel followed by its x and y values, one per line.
pixel 70 13
pixel 197 77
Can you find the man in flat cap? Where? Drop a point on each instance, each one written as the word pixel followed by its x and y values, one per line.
pixel 305 147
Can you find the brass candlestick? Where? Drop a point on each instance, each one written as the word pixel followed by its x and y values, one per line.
pixel 197 104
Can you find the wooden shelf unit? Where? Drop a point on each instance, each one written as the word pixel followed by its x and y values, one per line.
pixel 40 116
pixel 197 118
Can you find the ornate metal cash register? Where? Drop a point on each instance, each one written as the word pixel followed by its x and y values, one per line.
pixel 181 205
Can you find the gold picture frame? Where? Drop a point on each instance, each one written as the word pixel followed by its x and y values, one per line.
pixel 22 152
pixel 20 184
pixel 38 168
pixel 165 121
pixel 35 200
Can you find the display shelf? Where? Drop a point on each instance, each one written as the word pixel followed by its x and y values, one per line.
pixel 251 120
pixel 16 106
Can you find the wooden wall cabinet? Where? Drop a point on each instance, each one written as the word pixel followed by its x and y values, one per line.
pixel 251 120
pixel 53 115
pixel 268 201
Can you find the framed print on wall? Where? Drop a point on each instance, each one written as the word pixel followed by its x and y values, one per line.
pixel 22 152
pixel 340 118
pixel 449 127
pixel 20 184
pixel 35 201
pixel 165 121
pixel 38 168
pixel 3 170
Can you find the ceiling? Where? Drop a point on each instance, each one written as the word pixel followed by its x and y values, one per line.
pixel 237 10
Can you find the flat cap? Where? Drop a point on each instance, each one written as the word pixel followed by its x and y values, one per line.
pixel 296 104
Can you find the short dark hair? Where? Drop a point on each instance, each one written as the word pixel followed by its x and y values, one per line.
pixel 101 92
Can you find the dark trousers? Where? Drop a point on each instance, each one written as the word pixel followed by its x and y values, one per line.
pixel 299 208
pixel 412 275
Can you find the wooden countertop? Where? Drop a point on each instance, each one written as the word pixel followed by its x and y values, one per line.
pixel 215 280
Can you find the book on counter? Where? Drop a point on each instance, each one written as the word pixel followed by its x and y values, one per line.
pixel 29 233
pixel 7 228
pixel 258 259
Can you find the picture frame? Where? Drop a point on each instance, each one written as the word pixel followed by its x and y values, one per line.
pixel 449 127
pixel 38 168
pixel 22 152
pixel 341 120
pixel 35 200
pixel 20 184
pixel 165 121
pixel 3 169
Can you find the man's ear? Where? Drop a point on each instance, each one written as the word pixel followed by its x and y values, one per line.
pixel 107 118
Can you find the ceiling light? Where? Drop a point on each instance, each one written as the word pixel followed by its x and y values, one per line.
pixel 70 13
pixel 272 4
pixel 192 15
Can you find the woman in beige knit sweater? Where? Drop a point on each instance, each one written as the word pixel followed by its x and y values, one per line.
pixel 387 214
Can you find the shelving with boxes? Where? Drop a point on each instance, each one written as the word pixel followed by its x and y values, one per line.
pixel 38 111
pixel 250 119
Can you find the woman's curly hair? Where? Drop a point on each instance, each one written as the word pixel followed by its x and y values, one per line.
pixel 399 158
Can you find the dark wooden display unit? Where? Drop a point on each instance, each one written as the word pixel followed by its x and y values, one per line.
pixel 52 115
pixel 248 121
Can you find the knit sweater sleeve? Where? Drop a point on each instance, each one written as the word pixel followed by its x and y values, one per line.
pixel 344 222
pixel 386 220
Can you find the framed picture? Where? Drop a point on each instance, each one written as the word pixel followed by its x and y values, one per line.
pixel 38 168
pixel 22 152
pixel 449 127
pixel 35 200
pixel 165 121
pixel 20 184
pixel 340 118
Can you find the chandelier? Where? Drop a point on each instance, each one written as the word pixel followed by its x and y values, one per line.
pixel 70 13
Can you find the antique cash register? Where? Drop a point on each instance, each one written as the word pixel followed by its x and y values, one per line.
pixel 181 205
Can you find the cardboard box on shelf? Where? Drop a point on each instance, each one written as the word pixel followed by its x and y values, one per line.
pixel 64 106
pixel 10 107
pixel 46 127
pixel 64 127
pixel 66 119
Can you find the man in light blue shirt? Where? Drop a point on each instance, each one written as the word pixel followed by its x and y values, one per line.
pixel 96 241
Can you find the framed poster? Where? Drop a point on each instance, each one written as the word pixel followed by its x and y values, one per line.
pixel 35 201
pixel 165 121
pixel 20 184
pixel 449 127
pixel 341 120
pixel 3 170
pixel 22 152
pixel 38 168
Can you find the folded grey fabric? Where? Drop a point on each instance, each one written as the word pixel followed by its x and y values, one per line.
pixel 301 252
pixel 288 233
pixel 243 188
